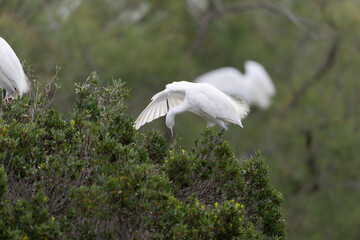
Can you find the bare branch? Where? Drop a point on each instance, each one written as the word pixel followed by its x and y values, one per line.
pixel 324 67
pixel 220 11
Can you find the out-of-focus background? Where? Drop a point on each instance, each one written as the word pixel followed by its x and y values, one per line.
pixel 309 136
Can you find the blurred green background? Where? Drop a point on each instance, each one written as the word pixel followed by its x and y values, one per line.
pixel 310 136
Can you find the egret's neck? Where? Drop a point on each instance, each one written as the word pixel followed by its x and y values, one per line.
pixel 170 117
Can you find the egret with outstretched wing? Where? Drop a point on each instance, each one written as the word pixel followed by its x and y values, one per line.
pixel 201 99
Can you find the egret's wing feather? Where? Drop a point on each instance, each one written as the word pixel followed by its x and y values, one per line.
pixel 219 105
pixel 171 97
pixel 153 111
pixel 173 102
pixel 234 112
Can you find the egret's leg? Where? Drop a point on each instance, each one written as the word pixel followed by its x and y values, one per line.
pixel 11 93
pixel 2 105
pixel 221 132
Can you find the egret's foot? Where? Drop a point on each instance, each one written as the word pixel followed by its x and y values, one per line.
pixel 5 101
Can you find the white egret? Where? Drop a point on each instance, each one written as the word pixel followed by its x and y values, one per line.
pixel 254 87
pixel 13 80
pixel 199 98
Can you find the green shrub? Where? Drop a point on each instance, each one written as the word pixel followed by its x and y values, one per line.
pixel 26 218
pixel 215 175
pixel 92 176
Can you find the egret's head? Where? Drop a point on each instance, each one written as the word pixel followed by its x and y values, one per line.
pixel 170 122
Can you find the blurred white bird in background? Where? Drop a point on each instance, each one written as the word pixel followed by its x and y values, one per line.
pixel 254 86
pixel 13 80
pixel 201 99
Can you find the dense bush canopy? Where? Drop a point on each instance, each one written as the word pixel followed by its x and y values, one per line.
pixel 91 176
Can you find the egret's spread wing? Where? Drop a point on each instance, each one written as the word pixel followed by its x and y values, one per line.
pixel 172 96
pixel 153 111
pixel 11 68
pixel 257 73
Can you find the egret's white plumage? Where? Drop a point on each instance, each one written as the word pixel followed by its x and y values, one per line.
pixel 255 86
pixel 256 72
pixel 12 77
pixel 200 98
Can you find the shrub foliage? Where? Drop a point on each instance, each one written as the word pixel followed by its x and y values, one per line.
pixel 91 176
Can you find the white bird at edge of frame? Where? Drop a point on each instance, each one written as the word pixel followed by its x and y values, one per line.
pixel 254 86
pixel 13 80
pixel 202 99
